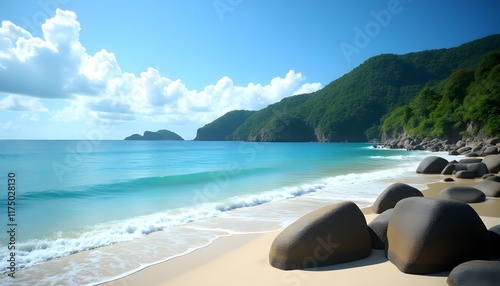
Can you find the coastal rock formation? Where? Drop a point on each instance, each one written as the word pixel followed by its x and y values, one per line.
pixel 461 167
pixel 432 235
pixel 477 148
pixel 490 151
pixel 393 194
pixel 333 234
pixel 378 229
pixel 493 141
pixel 448 170
pixel 477 272
pixel 462 193
pixel 479 169
pixel 493 163
pixel 493 178
pixel 464 174
pixel 470 160
pixel 432 165
pixel 495 241
pixel 490 188
pixel 486 176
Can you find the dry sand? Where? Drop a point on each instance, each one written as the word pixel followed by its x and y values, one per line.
pixel 243 260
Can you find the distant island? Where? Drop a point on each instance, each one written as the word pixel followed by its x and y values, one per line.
pixel 158 135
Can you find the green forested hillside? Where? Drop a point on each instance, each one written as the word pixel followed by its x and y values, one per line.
pixel 466 104
pixel 261 125
pixel 223 127
pixel 351 107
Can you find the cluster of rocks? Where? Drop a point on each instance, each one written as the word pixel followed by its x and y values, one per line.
pixel 419 235
pixel 469 149
pixel 487 168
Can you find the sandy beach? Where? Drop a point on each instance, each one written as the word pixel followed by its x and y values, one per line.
pixel 243 259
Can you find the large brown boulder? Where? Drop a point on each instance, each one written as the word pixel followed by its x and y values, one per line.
pixel 464 174
pixel 495 241
pixel 479 169
pixel 393 194
pixel 492 178
pixel 472 154
pixel 432 165
pixel 378 229
pixel 489 187
pixel 448 170
pixel 493 141
pixel 461 167
pixel 493 163
pixel 469 160
pixel 475 273
pixel 462 193
pixel 333 234
pixel 490 151
pixel 464 149
pixel 433 235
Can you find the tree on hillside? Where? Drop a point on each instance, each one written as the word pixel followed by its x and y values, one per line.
pixel 424 103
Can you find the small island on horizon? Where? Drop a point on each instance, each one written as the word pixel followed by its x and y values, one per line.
pixel 158 135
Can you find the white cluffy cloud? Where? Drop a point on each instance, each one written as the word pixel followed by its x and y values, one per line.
pixel 21 103
pixel 94 86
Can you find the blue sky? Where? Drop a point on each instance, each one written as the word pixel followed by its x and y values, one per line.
pixel 107 69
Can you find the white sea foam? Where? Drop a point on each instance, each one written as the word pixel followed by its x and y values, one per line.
pixel 33 252
pixel 361 187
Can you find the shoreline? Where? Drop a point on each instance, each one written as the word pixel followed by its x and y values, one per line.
pixel 211 265
pixel 180 247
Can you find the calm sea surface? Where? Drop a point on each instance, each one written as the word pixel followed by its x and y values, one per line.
pixel 73 196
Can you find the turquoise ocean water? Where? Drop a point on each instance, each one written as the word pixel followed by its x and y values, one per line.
pixel 77 197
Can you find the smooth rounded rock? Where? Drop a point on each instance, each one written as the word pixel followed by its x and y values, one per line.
pixel 475 273
pixel 486 176
pixel 432 165
pixel 472 154
pixel 489 187
pixel 448 170
pixel 463 174
pixel 493 178
pixel 493 141
pixel 448 180
pixel 393 194
pixel 333 234
pixel 469 160
pixel 464 149
pixel 462 193
pixel 493 163
pixel 378 229
pixel 490 151
pixel 427 235
pixel 495 240
pixel 479 169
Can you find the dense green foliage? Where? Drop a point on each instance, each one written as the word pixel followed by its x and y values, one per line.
pixel 420 91
pixel 262 122
pixel 223 127
pixel 158 135
pixel 470 98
